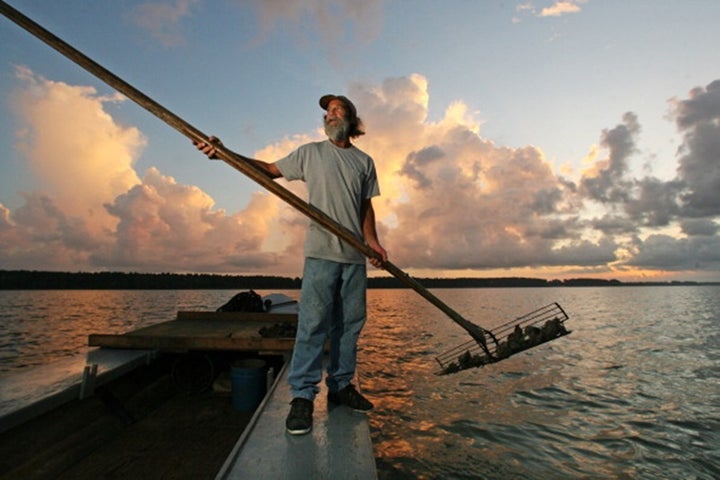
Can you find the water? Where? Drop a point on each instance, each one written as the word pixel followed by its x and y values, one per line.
pixel 633 392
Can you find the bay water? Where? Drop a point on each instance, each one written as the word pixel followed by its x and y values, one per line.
pixel 632 393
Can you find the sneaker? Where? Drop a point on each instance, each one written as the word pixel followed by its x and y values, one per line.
pixel 299 420
pixel 350 397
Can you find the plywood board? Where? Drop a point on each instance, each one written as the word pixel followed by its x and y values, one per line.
pixel 236 331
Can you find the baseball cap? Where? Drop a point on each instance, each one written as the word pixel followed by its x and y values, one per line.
pixel 326 99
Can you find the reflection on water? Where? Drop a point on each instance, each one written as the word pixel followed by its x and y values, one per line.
pixel 37 327
pixel 633 392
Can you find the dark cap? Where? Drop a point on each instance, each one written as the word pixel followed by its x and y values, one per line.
pixel 326 99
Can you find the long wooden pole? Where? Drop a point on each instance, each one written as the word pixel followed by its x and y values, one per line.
pixel 233 160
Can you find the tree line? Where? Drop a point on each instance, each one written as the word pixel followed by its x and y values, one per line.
pixel 48 280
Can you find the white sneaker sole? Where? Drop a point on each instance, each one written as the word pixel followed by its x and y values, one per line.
pixel 301 431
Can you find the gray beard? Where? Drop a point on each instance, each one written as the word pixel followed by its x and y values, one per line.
pixel 339 131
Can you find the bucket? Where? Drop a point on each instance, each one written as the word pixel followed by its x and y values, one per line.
pixel 249 383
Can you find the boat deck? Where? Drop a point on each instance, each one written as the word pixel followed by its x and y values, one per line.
pixel 139 425
pixel 338 446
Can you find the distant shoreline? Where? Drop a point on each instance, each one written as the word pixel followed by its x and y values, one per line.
pixel 47 280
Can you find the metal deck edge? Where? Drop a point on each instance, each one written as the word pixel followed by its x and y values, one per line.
pixel 339 445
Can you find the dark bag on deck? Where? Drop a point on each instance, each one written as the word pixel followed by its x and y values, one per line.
pixel 244 302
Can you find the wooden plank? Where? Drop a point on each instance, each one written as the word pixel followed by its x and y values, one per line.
pixel 247 316
pixel 200 328
pixel 186 343
pixel 194 333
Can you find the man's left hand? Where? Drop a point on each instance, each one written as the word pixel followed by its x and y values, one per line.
pixel 377 262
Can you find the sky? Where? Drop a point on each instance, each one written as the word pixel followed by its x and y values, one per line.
pixel 546 139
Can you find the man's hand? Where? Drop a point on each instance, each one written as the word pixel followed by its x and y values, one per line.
pixel 208 148
pixel 377 262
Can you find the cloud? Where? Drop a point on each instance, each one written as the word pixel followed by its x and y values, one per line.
pixel 614 224
pixel 96 213
pixel 698 118
pixel 339 28
pixel 451 199
pixel 699 227
pixel 164 226
pixel 664 252
pixel 163 21
pixel 41 235
pixel 343 26
pixel 689 202
pixel 561 8
pixel 606 181
pixel 557 9
pixel 649 201
pixel 654 202
pixel 79 155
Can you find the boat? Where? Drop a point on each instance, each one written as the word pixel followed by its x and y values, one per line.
pixel 200 396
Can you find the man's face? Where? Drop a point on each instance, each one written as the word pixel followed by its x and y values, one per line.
pixel 335 110
pixel 337 126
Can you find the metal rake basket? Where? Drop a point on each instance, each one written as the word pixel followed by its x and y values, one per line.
pixel 535 328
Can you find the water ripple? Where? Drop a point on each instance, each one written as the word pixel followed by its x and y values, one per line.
pixel 632 393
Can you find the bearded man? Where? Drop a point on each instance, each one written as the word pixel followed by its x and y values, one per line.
pixel 341 181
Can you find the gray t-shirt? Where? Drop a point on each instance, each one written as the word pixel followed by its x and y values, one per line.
pixel 338 180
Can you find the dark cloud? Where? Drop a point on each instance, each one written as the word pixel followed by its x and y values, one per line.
pixel 655 202
pixel 553 229
pixel 547 200
pixel 698 118
pixel 699 227
pixel 702 107
pixel 664 252
pixel 690 200
pixel 417 159
pixel 585 253
pixel 614 224
pixel 610 184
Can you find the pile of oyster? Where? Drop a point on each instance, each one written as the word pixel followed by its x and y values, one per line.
pixel 519 339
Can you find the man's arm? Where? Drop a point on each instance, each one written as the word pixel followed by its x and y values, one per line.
pixel 370 232
pixel 209 149
pixel 270 168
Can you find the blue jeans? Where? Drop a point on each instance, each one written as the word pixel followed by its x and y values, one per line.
pixel 332 304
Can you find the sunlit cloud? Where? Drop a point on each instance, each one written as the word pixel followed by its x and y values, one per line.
pixel 96 213
pixel 561 8
pixel 79 155
pixel 39 235
pixel 556 9
pixel 164 226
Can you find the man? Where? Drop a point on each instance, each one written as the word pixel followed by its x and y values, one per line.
pixel 341 181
